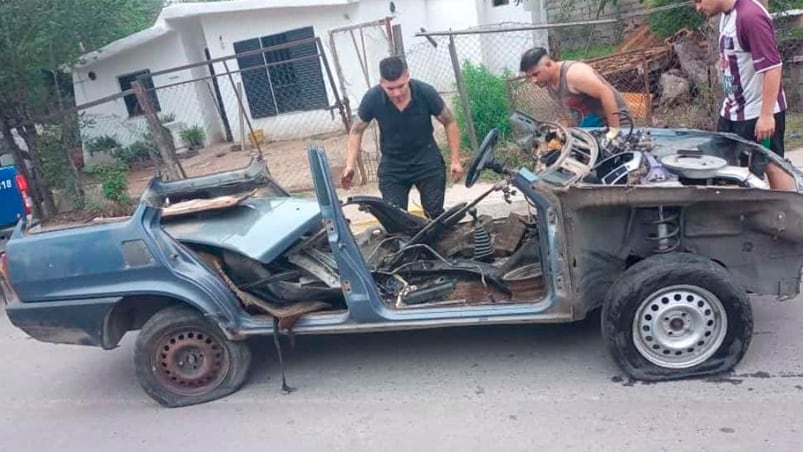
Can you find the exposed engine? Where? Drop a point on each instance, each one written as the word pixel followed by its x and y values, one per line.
pixel 632 157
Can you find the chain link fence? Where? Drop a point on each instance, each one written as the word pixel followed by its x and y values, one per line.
pixel 663 60
pixel 275 98
pixel 356 52
pixel 271 99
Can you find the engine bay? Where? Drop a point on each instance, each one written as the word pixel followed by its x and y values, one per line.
pixel 637 156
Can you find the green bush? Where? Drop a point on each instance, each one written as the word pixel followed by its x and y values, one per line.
pixel 488 100
pixel 667 23
pixel 193 137
pixel 103 143
pixel 137 152
pixel 113 180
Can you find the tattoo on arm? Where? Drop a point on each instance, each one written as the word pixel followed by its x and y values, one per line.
pixel 446 117
pixel 358 127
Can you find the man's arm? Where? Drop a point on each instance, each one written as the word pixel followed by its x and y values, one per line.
pixel 765 126
pixel 581 78
pixel 757 35
pixel 446 117
pixel 352 151
pixel 354 141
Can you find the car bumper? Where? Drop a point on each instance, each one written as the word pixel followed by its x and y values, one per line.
pixel 79 322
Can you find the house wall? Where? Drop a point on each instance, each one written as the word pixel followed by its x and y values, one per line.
pixel 221 31
pixel 194 42
pixel 433 64
pixel 195 104
pixel 111 118
pixel 502 52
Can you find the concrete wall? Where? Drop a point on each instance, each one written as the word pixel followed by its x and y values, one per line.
pixel 586 10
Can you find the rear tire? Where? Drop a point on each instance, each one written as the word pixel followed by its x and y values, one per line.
pixel 676 316
pixel 182 359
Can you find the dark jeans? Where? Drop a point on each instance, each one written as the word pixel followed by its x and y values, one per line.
pixel 747 130
pixel 395 188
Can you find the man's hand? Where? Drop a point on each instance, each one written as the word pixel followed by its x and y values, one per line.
pixel 347 177
pixel 765 127
pixel 352 151
pixel 457 170
pixel 613 132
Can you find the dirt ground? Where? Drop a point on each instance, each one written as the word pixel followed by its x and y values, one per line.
pixel 287 161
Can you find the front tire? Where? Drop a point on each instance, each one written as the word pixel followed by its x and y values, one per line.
pixel 676 316
pixel 181 359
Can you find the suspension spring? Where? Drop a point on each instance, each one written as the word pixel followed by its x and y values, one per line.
pixel 483 248
pixel 667 231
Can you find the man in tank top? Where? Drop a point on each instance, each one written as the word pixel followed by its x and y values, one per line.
pixel 582 92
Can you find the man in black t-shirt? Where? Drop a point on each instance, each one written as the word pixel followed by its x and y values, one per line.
pixel 403 108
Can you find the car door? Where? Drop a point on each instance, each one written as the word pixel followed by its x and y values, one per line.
pixel 358 285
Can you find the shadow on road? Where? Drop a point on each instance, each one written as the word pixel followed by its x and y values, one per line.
pixel 487 345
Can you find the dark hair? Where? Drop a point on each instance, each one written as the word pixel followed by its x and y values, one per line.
pixel 531 58
pixel 392 67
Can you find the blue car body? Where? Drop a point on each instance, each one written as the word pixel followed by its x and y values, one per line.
pixel 92 284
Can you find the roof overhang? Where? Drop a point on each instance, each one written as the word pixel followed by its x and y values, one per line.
pixel 182 11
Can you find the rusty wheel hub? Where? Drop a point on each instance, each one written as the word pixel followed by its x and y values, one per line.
pixel 190 362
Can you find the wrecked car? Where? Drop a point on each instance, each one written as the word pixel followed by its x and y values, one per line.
pixel 666 231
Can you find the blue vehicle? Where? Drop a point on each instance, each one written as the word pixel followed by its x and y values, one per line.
pixel 13 205
pixel 664 231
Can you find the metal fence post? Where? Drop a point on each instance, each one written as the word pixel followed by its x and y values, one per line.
pixel 241 106
pixel 166 148
pixel 461 89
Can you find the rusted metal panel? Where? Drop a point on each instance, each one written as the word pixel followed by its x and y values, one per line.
pixel 756 234
pixel 526 283
pixel 509 234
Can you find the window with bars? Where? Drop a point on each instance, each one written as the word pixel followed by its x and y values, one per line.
pixel 131 103
pixel 282 80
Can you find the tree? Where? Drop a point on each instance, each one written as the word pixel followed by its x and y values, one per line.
pixel 39 39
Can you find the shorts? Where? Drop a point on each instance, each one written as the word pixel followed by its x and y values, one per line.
pixel 747 130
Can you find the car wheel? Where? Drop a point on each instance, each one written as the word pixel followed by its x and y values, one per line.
pixel 676 316
pixel 182 359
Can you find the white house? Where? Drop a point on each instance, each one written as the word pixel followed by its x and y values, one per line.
pixel 187 33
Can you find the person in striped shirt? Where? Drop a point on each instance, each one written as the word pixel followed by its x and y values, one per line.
pixel 750 65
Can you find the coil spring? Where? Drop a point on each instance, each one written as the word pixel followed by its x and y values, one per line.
pixel 667 232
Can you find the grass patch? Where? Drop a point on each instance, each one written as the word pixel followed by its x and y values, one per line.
pixel 588 53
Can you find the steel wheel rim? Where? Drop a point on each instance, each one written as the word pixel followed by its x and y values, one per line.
pixel 679 327
pixel 189 361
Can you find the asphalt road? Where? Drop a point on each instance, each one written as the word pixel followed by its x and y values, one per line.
pixel 486 388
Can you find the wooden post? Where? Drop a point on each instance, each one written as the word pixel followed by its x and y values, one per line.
pixel 243 138
pixel 156 129
pixel 241 105
pixel 461 89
